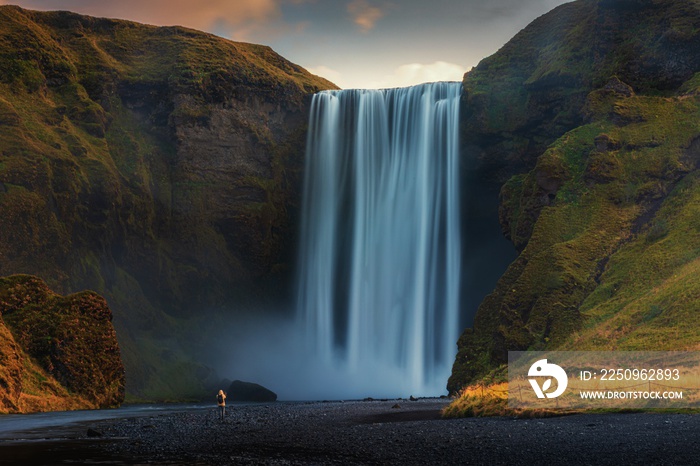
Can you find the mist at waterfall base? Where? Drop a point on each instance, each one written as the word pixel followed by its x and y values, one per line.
pixel 272 352
pixel 378 293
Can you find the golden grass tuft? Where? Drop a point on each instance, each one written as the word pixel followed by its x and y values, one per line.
pixel 491 400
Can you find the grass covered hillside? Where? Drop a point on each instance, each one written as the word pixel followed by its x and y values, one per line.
pixel 529 93
pixel 56 352
pixel 156 166
pixel 606 215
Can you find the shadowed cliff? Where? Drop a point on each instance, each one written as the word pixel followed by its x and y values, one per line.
pixel 589 120
pixel 156 166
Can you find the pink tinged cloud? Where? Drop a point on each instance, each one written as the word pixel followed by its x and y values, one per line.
pixel 198 15
pixel 364 15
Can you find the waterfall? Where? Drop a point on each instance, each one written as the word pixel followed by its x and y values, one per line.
pixel 379 264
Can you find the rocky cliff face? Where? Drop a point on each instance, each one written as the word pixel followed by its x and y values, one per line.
pixel 533 90
pixel 156 166
pixel 589 121
pixel 56 352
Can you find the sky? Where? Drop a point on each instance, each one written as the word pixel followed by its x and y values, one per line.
pixel 353 43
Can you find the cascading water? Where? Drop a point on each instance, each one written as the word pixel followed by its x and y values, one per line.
pixel 379 265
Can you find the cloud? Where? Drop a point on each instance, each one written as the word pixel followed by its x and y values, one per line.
pixel 417 73
pixel 202 15
pixel 364 15
pixel 330 74
pixel 403 76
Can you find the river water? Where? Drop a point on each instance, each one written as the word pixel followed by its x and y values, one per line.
pixel 61 424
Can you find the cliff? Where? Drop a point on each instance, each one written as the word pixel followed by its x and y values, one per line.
pixel 588 120
pixel 156 166
pixel 56 352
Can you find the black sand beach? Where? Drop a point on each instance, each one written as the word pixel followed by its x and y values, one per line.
pixel 363 432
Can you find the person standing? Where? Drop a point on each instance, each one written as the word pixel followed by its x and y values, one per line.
pixel 221 403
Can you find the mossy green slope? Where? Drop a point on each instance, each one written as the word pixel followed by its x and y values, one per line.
pixel 56 352
pixel 529 93
pixel 606 219
pixel 156 166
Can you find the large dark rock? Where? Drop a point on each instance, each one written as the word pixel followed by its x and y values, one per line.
pixel 247 391
pixel 56 352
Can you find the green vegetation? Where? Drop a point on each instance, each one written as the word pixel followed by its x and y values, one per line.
pixel 128 155
pixel 491 399
pixel 606 214
pixel 57 352
pixel 615 245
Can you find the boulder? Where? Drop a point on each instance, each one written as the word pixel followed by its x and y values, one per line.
pixel 248 391
pixel 56 352
pixel 10 370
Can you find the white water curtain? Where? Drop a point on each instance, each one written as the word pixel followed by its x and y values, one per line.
pixel 379 264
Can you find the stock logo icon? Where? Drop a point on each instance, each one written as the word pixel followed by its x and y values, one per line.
pixel 542 369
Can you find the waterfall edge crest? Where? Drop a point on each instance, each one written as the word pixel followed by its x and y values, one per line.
pixel 379 259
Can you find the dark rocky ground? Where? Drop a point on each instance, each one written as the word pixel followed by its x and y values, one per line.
pixel 371 432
